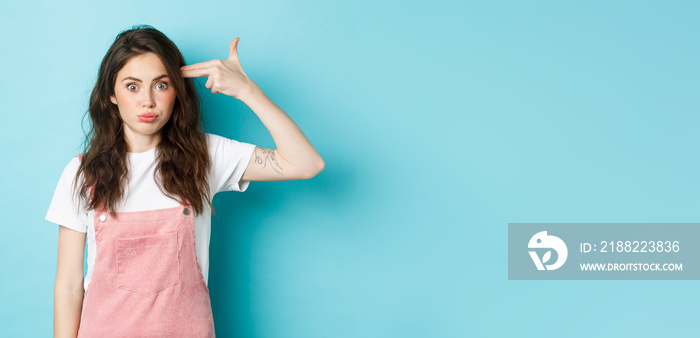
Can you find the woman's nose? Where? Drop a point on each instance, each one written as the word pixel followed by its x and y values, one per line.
pixel 147 99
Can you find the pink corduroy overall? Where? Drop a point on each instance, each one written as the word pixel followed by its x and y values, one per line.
pixel 146 281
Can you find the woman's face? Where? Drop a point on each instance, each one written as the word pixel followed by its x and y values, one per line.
pixel 145 98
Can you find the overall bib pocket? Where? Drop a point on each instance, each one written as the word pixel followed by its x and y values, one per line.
pixel 147 264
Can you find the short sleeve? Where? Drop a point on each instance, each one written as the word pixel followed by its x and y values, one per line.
pixel 230 159
pixel 64 208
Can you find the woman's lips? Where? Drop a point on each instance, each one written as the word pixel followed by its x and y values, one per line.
pixel 147 117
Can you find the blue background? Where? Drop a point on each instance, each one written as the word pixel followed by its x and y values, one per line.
pixel 440 123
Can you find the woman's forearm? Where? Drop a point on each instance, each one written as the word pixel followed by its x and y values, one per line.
pixel 68 305
pixel 290 141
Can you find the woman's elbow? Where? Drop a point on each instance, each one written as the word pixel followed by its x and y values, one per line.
pixel 320 165
pixel 315 169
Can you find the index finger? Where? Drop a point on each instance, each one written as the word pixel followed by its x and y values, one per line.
pixel 194 72
pixel 200 65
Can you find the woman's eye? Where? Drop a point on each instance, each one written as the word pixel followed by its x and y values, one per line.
pixel 132 87
pixel 162 85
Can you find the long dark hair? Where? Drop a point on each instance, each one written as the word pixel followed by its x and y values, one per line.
pixel 182 156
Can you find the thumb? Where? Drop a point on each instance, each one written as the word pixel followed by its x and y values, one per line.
pixel 232 51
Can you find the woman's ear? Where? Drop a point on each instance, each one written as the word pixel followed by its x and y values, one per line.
pixel 113 99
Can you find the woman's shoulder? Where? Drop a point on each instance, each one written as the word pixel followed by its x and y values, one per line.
pixel 74 163
pixel 225 151
pixel 215 139
pixel 71 169
pixel 215 142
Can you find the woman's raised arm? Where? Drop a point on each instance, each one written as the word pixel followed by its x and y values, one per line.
pixel 294 158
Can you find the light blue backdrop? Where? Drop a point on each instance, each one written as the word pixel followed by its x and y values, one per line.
pixel 440 123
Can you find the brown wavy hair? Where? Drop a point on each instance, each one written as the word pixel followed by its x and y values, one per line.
pixel 182 155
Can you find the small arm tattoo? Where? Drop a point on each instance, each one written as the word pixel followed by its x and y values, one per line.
pixel 268 156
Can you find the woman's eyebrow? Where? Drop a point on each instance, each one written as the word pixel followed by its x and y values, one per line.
pixel 138 80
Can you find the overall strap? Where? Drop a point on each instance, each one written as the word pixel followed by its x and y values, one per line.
pixel 184 202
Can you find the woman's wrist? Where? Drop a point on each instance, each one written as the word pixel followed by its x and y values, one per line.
pixel 252 94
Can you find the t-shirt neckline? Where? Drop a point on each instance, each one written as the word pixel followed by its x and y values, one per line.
pixel 147 152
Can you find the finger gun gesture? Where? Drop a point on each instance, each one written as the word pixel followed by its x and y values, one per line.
pixel 224 76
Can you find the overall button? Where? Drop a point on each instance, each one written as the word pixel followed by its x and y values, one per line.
pixel 103 218
pixel 186 211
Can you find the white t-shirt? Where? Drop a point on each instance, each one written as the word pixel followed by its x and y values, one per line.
pixel 229 160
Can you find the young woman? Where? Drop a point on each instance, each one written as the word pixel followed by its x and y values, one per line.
pixel 141 192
